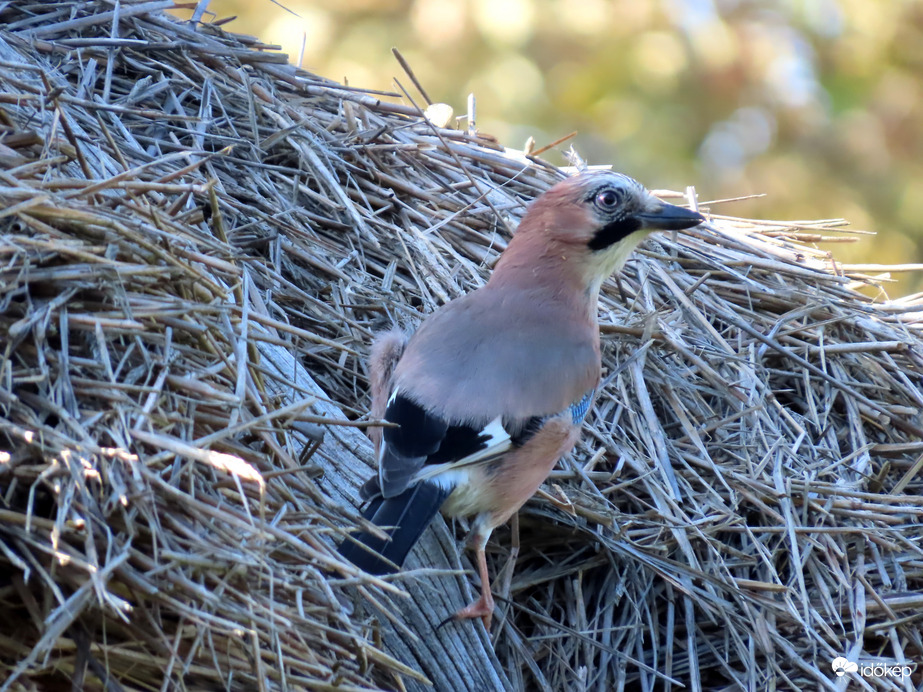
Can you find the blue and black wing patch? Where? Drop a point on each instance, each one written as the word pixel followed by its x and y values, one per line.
pixel 578 409
pixel 577 412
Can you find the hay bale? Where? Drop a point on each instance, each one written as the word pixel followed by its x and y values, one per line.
pixel 199 241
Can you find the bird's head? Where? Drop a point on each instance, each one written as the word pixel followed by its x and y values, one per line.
pixel 588 225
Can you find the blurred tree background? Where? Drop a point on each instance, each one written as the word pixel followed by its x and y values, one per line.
pixel 816 103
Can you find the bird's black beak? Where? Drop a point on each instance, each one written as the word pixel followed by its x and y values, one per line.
pixel 660 216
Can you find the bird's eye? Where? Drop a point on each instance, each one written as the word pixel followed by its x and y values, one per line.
pixel 607 200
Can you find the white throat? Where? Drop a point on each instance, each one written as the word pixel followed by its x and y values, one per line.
pixel 604 263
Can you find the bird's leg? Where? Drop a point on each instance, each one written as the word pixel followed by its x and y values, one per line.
pixel 483 607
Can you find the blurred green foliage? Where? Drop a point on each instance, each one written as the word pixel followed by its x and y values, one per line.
pixel 816 103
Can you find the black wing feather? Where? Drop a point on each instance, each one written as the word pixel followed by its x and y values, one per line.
pixel 418 433
pixel 421 438
pixel 404 518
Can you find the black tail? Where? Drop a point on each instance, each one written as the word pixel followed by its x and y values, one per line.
pixel 403 517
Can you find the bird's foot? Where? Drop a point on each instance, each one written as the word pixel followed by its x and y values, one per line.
pixel 482 608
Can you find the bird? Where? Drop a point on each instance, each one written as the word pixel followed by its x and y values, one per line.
pixel 493 387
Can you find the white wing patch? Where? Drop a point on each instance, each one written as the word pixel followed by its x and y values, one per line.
pixel 455 473
pixel 497 437
pixel 384 444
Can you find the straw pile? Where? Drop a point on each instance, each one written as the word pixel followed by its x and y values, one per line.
pixel 198 243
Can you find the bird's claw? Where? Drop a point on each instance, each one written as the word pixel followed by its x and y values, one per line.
pixel 482 608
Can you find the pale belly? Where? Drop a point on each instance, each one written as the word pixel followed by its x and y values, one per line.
pixel 470 496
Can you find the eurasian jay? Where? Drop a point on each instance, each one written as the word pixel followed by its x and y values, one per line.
pixel 492 389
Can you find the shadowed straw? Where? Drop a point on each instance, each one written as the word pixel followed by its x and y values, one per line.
pixel 198 243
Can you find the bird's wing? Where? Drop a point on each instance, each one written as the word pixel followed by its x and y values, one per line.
pixel 424 444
